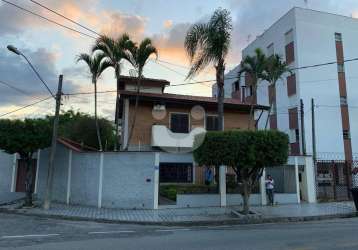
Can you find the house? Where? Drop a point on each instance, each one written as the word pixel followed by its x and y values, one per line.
pixel 169 122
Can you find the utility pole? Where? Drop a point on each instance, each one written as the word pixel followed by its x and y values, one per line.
pixel 313 132
pixel 50 172
pixel 302 112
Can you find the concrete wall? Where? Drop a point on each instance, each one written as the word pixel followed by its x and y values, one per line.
pixel 6 179
pixel 123 180
pixel 128 180
pixel 204 200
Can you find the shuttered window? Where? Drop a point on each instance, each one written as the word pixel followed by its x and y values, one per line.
pixel 212 123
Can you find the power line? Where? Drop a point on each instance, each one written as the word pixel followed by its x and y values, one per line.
pixel 26 106
pixel 14 88
pixel 68 19
pixel 47 19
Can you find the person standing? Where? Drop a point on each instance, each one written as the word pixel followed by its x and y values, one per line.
pixel 270 184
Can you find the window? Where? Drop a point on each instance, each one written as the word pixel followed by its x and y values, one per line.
pixel 176 172
pixel 338 37
pixel 270 50
pixel 289 37
pixel 212 123
pixel 291 85
pixel 249 90
pixel 346 134
pixel 289 48
pixel 340 67
pixel 344 101
pixel 179 123
pixel 297 135
pixel 294 136
pixel 236 86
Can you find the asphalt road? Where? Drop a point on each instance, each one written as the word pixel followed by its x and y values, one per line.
pixel 24 232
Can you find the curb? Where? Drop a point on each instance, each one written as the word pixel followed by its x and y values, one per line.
pixel 233 221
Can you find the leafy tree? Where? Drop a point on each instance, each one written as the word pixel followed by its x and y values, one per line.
pixel 115 51
pixel 79 127
pixel 25 137
pixel 139 56
pixel 247 152
pixel 96 66
pixel 274 71
pixel 254 67
pixel 208 43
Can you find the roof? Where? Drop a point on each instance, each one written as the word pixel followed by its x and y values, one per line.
pixel 190 99
pixel 76 146
pixel 161 82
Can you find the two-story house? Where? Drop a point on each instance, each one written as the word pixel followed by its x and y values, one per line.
pixel 169 123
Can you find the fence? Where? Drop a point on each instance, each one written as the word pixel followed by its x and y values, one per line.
pixel 334 180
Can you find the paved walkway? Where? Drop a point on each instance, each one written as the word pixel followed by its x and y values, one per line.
pixel 192 215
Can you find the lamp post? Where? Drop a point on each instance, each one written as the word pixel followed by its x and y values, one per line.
pixel 50 172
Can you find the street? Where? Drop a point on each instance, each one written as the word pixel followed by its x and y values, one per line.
pixel 24 232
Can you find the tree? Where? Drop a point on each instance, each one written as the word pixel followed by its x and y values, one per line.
pixel 247 152
pixel 25 137
pixel 274 71
pixel 96 66
pixel 139 56
pixel 208 43
pixel 79 127
pixel 254 67
pixel 115 51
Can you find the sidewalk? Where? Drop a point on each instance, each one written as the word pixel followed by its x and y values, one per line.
pixel 210 215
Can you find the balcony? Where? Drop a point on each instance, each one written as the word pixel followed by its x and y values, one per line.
pixel 164 138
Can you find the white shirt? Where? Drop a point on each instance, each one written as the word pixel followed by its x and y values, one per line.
pixel 269 184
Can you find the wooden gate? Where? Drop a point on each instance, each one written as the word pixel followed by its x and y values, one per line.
pixel 21 175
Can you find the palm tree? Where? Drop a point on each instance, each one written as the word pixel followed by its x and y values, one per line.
pixel 254 67
pixel 208 43
pixel 96 65
pixel 115 51
pixel 275 69
pixel 139 56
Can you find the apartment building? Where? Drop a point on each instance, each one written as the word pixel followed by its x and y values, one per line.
pixel 319 47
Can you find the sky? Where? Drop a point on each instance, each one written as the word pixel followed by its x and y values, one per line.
pixel 53 49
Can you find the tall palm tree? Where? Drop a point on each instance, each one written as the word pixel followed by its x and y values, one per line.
pixel 254 67
pixel 139 56
pixel 96 64
pixel 208 43
pixel 115 52
pixel 275 69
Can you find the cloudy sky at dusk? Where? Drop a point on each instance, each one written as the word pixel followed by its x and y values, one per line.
pixel 53 49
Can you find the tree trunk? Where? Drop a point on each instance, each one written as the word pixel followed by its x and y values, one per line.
pixel 246 197
pixel 220 69
pixel 95 116
pixel 139 79
pixel 116 116
pixel 269 111
pixel 28 180
pixel 252 105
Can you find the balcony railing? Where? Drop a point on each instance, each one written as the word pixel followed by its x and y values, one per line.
pixel 164 138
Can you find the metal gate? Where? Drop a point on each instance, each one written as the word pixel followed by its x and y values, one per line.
pixel 333 180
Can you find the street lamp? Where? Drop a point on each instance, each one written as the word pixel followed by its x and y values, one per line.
pixel 18 52
pixel 48 191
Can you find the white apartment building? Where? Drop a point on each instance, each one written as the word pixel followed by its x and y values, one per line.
pixel 318 47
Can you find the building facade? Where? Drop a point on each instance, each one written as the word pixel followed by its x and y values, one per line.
pixel 319 48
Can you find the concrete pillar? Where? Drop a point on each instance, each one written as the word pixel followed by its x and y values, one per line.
pixel 100 183
pixel 14 173
pixel 156 180
pixel 263 188
pixel 310 180
pixel 222 182
pixel 37 170
pixel 297 181
pixel 69 176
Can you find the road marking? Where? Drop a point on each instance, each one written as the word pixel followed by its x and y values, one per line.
pixel 27 236
pixel 172 230
pixel 113 232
